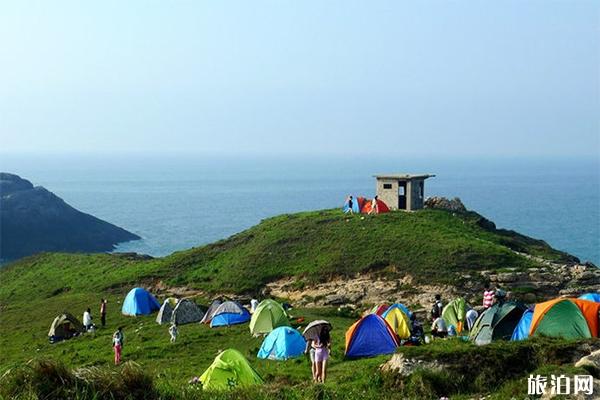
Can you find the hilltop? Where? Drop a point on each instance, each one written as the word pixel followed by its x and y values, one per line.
pixel 33 219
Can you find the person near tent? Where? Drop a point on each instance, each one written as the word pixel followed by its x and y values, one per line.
pixel 350 202
pixel 416 330
pixel 471 317
pixel 253 305
pixel 322 346
pixel 310 350
pixel 499 297
pixel 118 340
pixel 436 309
pixel 103 312
pixel 488 296
pixel 374 207
pixel 173 332
pixel 439 329
pixel 87 319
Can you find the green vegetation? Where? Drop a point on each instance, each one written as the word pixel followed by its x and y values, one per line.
pixel 433 245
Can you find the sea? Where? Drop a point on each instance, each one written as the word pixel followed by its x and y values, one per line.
pixel 178 201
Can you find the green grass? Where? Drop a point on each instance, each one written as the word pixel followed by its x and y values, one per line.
pixel 432 245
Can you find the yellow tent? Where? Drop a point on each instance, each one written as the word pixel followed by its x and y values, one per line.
pixel 398 321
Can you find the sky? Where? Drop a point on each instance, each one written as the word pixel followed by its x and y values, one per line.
pixel 432 78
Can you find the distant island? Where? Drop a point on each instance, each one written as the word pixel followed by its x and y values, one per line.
pixel 34 220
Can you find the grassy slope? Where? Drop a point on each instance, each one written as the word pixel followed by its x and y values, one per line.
pixel 430 244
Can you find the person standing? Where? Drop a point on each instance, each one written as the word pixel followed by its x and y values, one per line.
pixel 350 202
pixel 173 332
pixel 118 339
pixel 322 347
pixel 436 309
pixel 87 319
pixel 310 350
pixel 103 312
pixel 488 296
pixel 374 207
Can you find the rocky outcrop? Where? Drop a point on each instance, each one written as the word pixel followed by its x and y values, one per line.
pixel 442 203
pixel 35 220
pixel 403 366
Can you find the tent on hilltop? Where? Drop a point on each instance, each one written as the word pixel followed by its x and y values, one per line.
pixel 229 370
pixel 455 314
pixel 166 311
pixel 186 312
pixel 282 343
pixel 139 302
pixel 398 319
pixel 497 322
pixel 566 318
pixel 268 315
pixel 370 336
pixel 381 207
pixel 63 327
pixel 229 313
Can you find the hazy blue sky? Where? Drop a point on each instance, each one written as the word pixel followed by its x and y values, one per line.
pixel 277 77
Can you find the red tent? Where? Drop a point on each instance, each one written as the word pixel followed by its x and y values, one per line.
pixel 381 207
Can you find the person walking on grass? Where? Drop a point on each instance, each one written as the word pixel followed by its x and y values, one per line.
pixel 310 350
pixel 350 202
pixel 374 207
pixel 118 339
pixel 103 312
pixel 322 348
pixel 173 332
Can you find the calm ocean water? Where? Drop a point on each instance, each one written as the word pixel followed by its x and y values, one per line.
pixel 176 203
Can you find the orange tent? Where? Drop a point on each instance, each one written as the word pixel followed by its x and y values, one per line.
pixel 589 311
pixel 381 207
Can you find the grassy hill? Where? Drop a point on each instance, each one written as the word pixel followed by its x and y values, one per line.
pixel 432 245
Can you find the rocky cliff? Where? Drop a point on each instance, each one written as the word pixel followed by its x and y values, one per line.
pixel 33 220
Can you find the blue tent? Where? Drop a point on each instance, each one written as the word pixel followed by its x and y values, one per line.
pixel 282 343
pixel 401 306
pixel 229 313
pixel 139 302
pixel 370 336
pixel 521 331
pixel 355 207
pixel 591 297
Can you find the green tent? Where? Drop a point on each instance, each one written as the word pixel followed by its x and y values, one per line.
pixel 229 370
pixel 564 319
pixel 455 313
pixel 268 315
pixel 497 322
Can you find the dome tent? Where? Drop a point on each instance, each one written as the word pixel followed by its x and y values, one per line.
pixel 139 302
pixel 229 313
pixel 521 331
pixel 229 370
pixel 282 343
pixel 63 327
pixel 398 319
pixel 455 314
pixel 378 309
pixel 186 312
pixel 210 313
pixel 370 336
pixel 591 297
pixel 355 206
pixel 566 318
pixel 268 315
pixel 381 207
pixel 497 322
pixel 166 311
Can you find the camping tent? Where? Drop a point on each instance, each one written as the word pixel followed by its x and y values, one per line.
pixel 566 318
pixel 521 331
pixel 370 336
pixel 229 370
pixel 455 314
pixel 139 302
pixel 186 312
pixel 282 343
pixel 210 313
pixel 591 297
pixel 378 309
pixel 398 320
pixel 166 311
pixel 497 322
pixel 355 206
pixel 64 326
pixel 229 313
pixel 381 206
pixel 268 315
